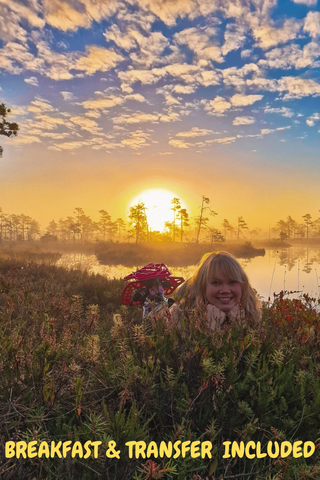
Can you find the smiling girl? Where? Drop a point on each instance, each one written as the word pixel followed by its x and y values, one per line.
pixel 221 283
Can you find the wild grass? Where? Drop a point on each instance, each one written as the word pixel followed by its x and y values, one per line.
pixel 77 365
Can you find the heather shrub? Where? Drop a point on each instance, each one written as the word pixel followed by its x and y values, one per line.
pixel 76 365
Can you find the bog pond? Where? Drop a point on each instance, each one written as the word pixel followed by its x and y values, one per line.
pixel 292 269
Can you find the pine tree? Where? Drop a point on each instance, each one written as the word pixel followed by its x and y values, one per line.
pixel 8 129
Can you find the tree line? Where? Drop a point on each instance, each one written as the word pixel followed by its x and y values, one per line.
pixel 80 228
pixel 18 227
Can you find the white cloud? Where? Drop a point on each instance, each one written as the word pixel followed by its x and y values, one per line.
pixel 97 59
pixel 137 117
pixel 311 120
pixel 201 42
pixel 235 76
pixel 11 14
pixel 46 122
pixel 67 95
pixel 309 3
pixel 284 111
pixel 67 145
pixel 53 64
pixel 266 131
pixel 179 144
pixel 140 18
pixel 148 49
pixel 246 53
pixel 292 56
pixel 170 117
pixel 17 110
pixel 24 12
pixel 298 87
pixel 209 77
pixel 86 124
pixel 40 105
pixel 170 100
pixel 26 139
pixel 217 106
pixel 55 136
pixel 126 41
pixel 312 24
pixel 268 36
pixel 131 76
pixel 14 57
pixel 239 100
pixel 234 36
pixel 263 83
pixel 67 15
pixel 140 117
pixel 137 97
pixel 9 26
pixel 42 124
pixel 183 89
pixel 137 140
pixel 243 121
pixel 32 81
pixel 182 71
pixel 225 140
pixel 168 12
pixel 93 114
pixel 126 88
pixel 103 103
pixel 195 132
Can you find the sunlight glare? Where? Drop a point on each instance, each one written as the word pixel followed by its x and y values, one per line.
pixel 158 204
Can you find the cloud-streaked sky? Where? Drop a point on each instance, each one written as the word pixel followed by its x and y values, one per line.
pixel 202 97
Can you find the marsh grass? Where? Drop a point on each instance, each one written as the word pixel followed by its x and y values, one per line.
pixel 77 365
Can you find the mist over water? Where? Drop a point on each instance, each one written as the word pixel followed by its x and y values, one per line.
pixel 294 269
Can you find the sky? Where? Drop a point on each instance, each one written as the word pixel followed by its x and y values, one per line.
pixel 196 97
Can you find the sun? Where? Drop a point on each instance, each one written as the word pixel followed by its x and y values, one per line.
pixel 158 205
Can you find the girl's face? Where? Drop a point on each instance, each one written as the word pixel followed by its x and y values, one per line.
pixel 223 292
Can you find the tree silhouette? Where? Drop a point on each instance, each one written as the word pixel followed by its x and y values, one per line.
pixel 121 225
pixel 227 227
pixel 176 208
pixel 292 226
pixel 242 225
pixel 214 235
pixel 79 224
pixel 105 219
pixel 283 236
pixel 169 227
pixel 201 221
pixel 184 219
pixel 8 129
pixel 138 218
pixel 307 220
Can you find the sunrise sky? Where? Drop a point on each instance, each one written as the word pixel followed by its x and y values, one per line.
pixel 199 97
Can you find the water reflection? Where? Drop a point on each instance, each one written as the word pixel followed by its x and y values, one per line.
pixel 92 265
pixel 293 269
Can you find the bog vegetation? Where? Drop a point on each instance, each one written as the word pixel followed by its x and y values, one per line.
pixel 76 365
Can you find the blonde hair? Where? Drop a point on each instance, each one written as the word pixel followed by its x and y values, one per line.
pixel 211 265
